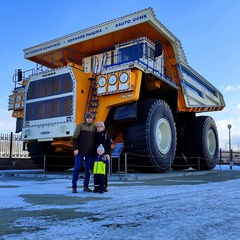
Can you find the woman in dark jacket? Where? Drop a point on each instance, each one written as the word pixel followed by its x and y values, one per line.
pixel 102 137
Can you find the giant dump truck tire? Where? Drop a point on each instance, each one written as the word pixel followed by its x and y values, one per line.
pixel 202 144
pixel 152 139
pixel 54 161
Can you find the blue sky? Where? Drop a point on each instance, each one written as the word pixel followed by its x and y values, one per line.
pixel 208 30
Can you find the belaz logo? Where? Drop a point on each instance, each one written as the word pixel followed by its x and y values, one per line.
pixel 45 132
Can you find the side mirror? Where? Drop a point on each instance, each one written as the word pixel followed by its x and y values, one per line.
pixel 19 75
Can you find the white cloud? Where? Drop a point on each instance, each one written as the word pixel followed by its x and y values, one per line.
pixel 223 133
pixel 229 88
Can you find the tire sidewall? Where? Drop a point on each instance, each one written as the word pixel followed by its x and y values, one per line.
pixel 212 158
pixel 161 111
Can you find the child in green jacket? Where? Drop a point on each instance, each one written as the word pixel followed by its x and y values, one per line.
pixel 99 169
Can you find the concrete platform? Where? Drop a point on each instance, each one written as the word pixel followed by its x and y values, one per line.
pixel 38 173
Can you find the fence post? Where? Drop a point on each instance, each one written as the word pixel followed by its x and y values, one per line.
pixel 11 143
pixel 220 162
pixel 170 169
pixel 126 164
pixel 44 164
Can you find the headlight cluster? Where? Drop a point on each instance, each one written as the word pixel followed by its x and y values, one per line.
pixel 114 82
pixel 15 100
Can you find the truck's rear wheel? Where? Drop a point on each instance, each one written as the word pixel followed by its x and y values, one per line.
pixel 54 161
pixel 202 144
pixel 153 138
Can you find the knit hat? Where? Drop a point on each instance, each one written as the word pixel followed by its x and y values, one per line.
pixel 101 124
pixel 88 115
pixel 101 148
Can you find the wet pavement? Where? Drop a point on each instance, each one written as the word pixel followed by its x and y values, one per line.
pixel 35 194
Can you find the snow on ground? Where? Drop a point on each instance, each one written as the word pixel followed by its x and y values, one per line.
pixel 190 211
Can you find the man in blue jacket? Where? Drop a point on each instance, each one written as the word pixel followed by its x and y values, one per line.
pixel 83 146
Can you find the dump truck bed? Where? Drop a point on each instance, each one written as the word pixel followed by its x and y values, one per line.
pixel 195 93
pixel 94 39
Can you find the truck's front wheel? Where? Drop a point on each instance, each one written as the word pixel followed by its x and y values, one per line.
pixel 152 138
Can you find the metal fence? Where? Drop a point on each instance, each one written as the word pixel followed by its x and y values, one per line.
pixel 11 146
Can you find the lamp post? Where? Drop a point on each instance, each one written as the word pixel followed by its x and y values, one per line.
pixel 230 148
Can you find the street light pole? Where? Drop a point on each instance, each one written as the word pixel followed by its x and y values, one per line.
pixel 230 148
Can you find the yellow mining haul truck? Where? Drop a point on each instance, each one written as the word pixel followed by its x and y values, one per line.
pixel 132 74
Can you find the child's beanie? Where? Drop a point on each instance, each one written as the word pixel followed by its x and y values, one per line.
pixel 101 147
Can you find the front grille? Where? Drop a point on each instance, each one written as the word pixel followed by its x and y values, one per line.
pixel 58 106
pixel 50 86
pixel 53 108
